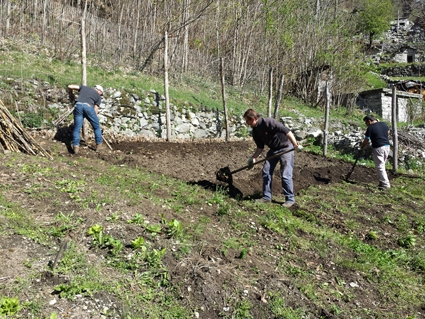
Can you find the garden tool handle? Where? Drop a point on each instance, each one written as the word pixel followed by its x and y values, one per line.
pixel 262 160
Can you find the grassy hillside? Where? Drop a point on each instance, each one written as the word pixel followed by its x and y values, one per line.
pixel 103 236
pixel 106 237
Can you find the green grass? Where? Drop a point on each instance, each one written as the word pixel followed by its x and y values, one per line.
pixel 396 272
pixel 375 82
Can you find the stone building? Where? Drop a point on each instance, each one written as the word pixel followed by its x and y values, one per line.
pixel 379 102
pixel 407 55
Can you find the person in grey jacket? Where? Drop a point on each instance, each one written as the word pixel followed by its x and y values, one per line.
pixel 268 131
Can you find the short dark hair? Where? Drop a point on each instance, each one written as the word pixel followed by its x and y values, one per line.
pixel 369 118
pixel 251 114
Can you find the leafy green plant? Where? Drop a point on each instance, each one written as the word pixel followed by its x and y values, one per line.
pixel 420 227
pixel 407 241
pixel 372 235
pixel 153 229
pixel 112 218
pixel 53 315
pixel 70 186
pixel 175 229
pixel 9 306
pixel 154 258
pixel 97 232
pixel 66 223
pixel 137 219
pixel 223 209
pixel 114 245
pixel 243 253
pixel 31 119
pixel 219 197
pixel 242 310
pixel 72 289
pixel 137 243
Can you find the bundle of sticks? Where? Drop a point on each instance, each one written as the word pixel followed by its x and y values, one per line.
pixel 14 138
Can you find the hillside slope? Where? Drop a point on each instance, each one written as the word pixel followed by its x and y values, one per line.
pixel 147 231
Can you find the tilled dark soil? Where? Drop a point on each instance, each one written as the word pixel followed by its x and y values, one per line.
pixel 198 162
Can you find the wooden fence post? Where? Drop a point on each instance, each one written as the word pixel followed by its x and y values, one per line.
pixel 394 129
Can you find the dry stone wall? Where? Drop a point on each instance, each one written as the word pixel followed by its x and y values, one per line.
pixel 130 115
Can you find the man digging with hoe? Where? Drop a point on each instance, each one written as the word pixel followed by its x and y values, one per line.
pixel 378 132
pixel 268 131
pixel 86 106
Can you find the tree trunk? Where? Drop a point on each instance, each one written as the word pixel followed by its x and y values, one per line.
pixel 43 29
pixel 35 14
pixel 217 31
pixel 394 129
pixel 326 130
pixel 8 10
pixel 269 104
pixel 185 53
pixel 167 99
pixel 223 96
pixel 120 38
pixel 136 28
pixel 84 60
pixel 278 97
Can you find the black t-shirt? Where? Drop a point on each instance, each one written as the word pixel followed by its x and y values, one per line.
pixel 89 95
pixel 271 133
pixel 378 134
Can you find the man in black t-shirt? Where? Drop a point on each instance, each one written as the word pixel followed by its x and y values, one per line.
pixel 378 132
pixel 268 131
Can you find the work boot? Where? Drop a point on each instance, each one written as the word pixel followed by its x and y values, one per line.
pixel 76 149
pixel 288 204
pixel 383 186
pixel 263 200
pixel 100 147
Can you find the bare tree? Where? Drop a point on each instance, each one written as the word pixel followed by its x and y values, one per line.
pixel 185 46
pixel 269 104
pixel 167 98
pixel 43 30
pixel 84 59
pixel 223 97
pixel 278 96
pixel 301 39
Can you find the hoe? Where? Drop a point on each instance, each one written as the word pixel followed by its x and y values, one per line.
pixel 225 175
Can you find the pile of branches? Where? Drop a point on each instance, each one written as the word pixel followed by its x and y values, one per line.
pixel 14 138
pixel 410 140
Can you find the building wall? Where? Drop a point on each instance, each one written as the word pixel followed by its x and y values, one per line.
pixel 379 102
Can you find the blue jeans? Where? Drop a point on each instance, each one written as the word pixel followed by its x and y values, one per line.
pixel 286 168
pixel 81 111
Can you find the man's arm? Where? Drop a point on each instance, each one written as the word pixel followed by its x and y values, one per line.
pixel 257 152
pixel 292 139
pixel 365 142
pixel 253 159
pixel 73 87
